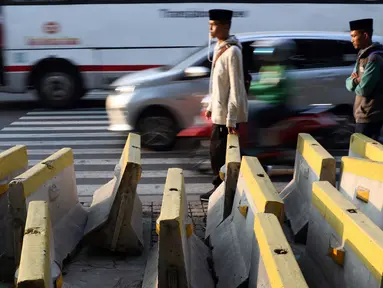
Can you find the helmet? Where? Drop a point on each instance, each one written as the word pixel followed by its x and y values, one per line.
pixel 274 49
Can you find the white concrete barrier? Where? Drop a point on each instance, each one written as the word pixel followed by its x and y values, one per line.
pixel 232 240
pixel 180 257
pixel 221 201
pixel 362 146
pixel 115 215
pixel 342 241
pixel 13 162
pixel 312 163
pixel 52 180
pixel 272 262
pixel 361 181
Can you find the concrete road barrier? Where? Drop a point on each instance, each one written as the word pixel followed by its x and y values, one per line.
pixel 221 201
pixel 52 180
pixel 312 163
pixel 180 259
pixel 115 215
pixel 362 146
pixel 361 181
pixel 38 247
pixel 13 162
pixel 232 240
pixel 273 262
pixel 342 241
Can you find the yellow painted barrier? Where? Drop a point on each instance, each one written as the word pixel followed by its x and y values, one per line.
pixel 180 258
pixel 52 180
pixel 343 241
pixel 115 215
pixel 272 251
pixel 232 240
pixel 35 270
pixel 221 201
pixel 233 164
pixel 312 163
pixel 13 161
pixel 362 146
pixel 361 181
pixel 260 191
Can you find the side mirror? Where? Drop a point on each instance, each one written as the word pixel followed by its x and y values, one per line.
pixel 196 72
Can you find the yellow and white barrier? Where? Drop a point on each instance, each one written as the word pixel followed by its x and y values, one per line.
pixel 312 163
pixel 361 181
pixel 115 215
pixel 13 162
pixel 221 201
pixel 38 247
pixel 232 240
pixel 272 262
pixel 52 180
pixel 362 146
pixel 180 258
pixel 343 241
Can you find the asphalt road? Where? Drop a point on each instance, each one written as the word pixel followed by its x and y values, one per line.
pixel 96 150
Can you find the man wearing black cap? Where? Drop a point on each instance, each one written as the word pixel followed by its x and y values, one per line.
pixel 228 97
pixel 367 80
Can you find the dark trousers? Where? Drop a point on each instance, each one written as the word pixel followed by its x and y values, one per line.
pixel 371 130
pixel 218 142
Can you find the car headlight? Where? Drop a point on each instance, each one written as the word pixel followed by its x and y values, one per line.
pixel 118 101
pixel 125 89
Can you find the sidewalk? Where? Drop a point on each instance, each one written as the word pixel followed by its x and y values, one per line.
pixel 102 269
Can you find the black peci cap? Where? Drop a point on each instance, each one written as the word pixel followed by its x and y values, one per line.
pixel 362 24
pixel 220 15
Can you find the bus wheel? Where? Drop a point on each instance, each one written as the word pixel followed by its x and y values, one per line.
pixel 59 89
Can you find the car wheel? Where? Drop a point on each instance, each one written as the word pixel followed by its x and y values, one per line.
pixel 158 132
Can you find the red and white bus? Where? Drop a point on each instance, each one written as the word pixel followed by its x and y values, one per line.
pixel 62 49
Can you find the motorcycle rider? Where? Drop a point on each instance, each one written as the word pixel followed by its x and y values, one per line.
pixel 273 87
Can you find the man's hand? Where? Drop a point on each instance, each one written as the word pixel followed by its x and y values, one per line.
pixel 355 77
pixel 232 130
pixel 208 115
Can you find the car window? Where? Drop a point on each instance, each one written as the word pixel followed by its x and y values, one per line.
pixel 349 53
pixel 321 53
pixel 247 52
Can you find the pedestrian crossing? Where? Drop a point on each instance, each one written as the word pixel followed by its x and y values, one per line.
pixel 96 151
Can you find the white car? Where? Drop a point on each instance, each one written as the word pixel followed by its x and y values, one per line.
pixel 158 103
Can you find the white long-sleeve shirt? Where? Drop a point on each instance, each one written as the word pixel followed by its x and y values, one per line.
pixel 228 99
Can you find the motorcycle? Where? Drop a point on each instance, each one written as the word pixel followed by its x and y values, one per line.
pixel 277 143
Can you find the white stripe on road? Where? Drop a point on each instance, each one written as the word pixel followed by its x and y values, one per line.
pixel 79 111
pixel 44 152
pixel 147 189
pixel 145 161
pixel 63 117
pixel 145 174
pixel 75 128
pixel 61 135
pixel 40 123
pixel 63 143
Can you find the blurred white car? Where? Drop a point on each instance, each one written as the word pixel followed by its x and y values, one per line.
pixel 158 103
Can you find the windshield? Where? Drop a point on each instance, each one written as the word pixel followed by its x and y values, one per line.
pixel 195 56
